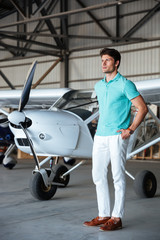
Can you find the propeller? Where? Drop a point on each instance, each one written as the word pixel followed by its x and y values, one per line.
pixel 3 120
pixel 27 87
pixel 18 117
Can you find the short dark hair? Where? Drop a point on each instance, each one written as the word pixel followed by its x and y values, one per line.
pixel 111 52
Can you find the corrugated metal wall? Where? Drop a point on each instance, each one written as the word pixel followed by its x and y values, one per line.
pixel 16 72
pixel 139 61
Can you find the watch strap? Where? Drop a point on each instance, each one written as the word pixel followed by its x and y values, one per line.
pixel 130 131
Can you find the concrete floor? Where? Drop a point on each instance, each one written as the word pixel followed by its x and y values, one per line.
pixel 24 218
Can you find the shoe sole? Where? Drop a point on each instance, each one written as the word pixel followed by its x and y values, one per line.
pixel 92 225
pixel 110 229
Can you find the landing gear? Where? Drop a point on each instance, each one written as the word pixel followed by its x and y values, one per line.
pixel 39 190
pixel 145 184
pixel 1 157
pixel 59 178
pixel 43 184
pixel 8 159
pixel 9 162
pixel 69 161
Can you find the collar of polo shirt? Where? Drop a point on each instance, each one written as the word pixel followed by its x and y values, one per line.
pixel 114 79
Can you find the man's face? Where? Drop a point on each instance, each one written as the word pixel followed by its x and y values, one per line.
pixel 108 64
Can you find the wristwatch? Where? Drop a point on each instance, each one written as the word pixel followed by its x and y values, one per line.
pixel 130 131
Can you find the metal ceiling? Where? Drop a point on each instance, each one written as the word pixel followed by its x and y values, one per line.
pixel 6 8
pixel 22 40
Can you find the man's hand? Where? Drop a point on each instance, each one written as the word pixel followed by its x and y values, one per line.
pixel 124 133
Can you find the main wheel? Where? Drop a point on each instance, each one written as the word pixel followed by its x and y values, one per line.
pixel 59 171
pixel 145 184
pixel 9 162
pixel 39 190
pixel 69 161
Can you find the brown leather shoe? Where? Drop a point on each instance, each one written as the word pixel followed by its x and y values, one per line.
pixel 111 225
pixel 96 222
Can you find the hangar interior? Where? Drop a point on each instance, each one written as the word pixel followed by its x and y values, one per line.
pixel 69 34
pixel 65 37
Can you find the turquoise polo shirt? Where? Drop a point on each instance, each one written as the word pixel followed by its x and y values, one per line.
pixel 114 104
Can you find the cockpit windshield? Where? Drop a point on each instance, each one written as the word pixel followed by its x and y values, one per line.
pixel 77 99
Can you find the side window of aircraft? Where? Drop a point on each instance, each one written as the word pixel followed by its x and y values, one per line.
pixel 148 129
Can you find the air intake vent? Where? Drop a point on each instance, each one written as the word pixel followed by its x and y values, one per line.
pixel 22 141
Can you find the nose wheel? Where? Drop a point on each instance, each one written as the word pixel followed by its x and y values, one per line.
pixel 43 184
pixel 38 188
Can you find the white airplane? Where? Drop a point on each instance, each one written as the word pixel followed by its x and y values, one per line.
pixel 67 128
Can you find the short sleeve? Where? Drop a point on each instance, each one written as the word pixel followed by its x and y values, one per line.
pixel 130 90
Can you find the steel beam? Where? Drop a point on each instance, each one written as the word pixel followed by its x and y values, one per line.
pixel 39 26
pixel 64 30
pixel 86 22
pixel 64 24
pixel 72 36
pixel 142 21
pixel 28 41
pixel 35 33
pixel 46 73
pixel 95 19
pixel 6 80
pixel 22 29
pixel 20 11
pixel 62 14
pixel 10 48
pixel 41 6
pixel 117 20
pixel 51 27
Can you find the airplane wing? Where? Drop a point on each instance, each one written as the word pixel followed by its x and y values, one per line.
pixel 150 90
pixel 39 98
pixel 45 98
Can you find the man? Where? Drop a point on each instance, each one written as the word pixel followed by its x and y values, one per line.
pixel 115 95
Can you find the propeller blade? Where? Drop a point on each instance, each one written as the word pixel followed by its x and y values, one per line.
pixel 3 120
pixel 31 147
pixel 27 87
pixel 4 112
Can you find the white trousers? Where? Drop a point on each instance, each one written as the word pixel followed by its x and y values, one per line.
pixel 108 149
